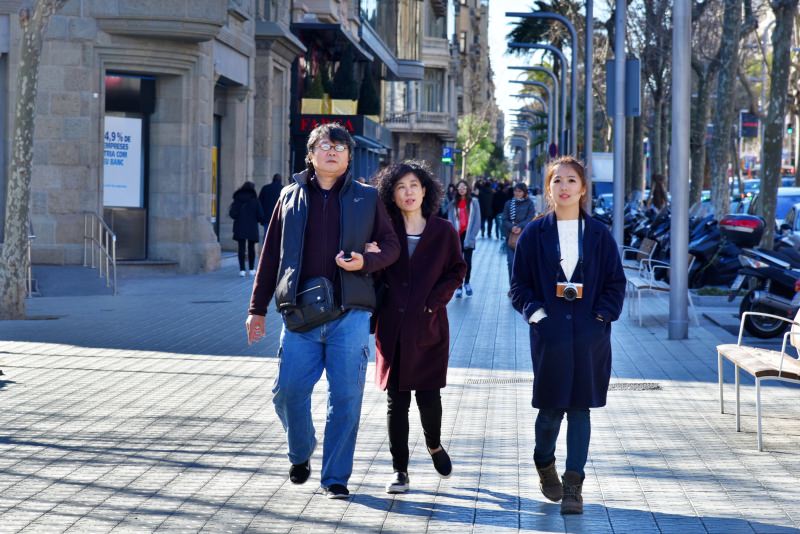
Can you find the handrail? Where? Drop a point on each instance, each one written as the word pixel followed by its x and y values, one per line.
pixel 100 242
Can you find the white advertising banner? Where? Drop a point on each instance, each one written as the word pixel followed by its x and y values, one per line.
pixel 122 163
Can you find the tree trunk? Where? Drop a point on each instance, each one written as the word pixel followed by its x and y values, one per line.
pixel 775 126
pixel 655 145
pixel 724 111
pixel 14 259
pixel 697 142
pixel 637 165
pixel 666 135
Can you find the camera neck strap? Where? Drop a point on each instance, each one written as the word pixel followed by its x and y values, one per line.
pixel 579 267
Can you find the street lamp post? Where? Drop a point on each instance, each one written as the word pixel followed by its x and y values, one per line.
pixel 679 169
pixel 550 99
pixel 560 56
pixel 573 130
pixel 619 121
pixel 550 112
pixel 552 75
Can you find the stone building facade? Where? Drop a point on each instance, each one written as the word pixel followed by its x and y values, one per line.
pixel 422 113
pixel 474 85
pixel 150 114
pixel 195 90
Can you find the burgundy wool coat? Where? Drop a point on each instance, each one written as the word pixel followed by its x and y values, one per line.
pixel 428 279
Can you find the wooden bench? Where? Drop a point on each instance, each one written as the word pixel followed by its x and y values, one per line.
pixel 645 280
pixel 762 364
pixel 645 252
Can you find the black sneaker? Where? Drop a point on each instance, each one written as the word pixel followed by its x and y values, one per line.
pixel 442 463
pixel 398 484
pixel 336 491
pixel 299 473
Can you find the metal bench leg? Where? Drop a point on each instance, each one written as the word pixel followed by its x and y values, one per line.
pixel 759 439
pixel 719 372
pixel 639 305
pixel 738 418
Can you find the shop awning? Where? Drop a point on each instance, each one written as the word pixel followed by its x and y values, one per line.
pixel 331 36
pixel 370 144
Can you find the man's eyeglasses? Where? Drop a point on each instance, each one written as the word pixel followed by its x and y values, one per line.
pixel 327 146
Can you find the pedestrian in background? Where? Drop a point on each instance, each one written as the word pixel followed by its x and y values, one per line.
pixel 247 214
pixel 568 283
pixel 465 216
pixel 499 199
pixel 315 265
pixel 268 196
pixel 412 332
pixel 485 194
pixel 517 213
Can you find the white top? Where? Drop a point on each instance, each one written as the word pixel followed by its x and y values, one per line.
pixel 568 241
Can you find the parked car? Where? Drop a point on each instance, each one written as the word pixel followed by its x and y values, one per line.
pixel 787 197
pixel 750 188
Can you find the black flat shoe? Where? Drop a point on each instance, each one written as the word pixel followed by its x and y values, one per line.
pixel 398 484
pixel 442 463
pixel 299 473
pixel 336 491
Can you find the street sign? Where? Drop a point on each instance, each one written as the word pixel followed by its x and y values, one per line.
pixel 447 154
pixel 552 150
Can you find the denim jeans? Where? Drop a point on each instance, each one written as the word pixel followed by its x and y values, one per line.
pixel 548 423
pixel 509 259
pixel 339 347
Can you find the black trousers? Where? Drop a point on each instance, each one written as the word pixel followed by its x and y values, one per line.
pixel 486 224
pixel 430 414
pixel 467 253
pixel 251 253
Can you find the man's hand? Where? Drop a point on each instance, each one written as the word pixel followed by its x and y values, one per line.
pixel 356 262
pixel 372 248
pixel 255 328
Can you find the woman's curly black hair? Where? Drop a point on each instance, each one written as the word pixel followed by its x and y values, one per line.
pixel 388 177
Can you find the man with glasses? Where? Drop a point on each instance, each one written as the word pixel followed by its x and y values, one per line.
pixel 316 236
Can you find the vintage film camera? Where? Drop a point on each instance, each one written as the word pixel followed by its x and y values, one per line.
pixel 569 291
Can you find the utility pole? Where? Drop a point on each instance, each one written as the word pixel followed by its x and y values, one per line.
pixel 620 24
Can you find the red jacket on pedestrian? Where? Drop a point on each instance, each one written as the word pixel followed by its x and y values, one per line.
pixel 426 280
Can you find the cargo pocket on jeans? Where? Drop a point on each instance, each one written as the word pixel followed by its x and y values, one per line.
pixel 362 369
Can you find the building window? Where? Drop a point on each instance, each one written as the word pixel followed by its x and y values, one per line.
pixel 460 105
pixel 463 2
pixel 432 90
pixel 410 151
pixel 462 42
pixel 435 26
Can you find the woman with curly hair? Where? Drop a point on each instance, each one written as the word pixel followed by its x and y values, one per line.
pixel 412 333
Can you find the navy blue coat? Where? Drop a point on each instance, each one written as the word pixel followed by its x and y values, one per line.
pixel 570 348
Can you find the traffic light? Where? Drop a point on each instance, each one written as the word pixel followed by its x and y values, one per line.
pixel 789 129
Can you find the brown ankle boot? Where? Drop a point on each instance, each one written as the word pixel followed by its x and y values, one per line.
pixel 549 483
pixel 572 502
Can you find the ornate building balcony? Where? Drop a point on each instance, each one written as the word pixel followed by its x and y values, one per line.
pixel 435 52
pixel 422 122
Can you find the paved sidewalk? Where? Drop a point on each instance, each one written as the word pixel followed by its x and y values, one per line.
pixel 148 411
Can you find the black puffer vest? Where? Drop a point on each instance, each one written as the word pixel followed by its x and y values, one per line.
pixel 357 204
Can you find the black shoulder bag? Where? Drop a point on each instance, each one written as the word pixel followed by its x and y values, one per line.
pixel 314 306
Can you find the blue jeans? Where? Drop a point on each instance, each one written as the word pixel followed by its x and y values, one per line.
pixel 340 347
pixel 548 423
pixel 509 259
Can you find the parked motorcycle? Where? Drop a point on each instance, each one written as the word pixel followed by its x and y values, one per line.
pixel 771 278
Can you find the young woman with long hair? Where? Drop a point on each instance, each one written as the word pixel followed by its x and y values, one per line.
pixel 568 283
pixel 465 215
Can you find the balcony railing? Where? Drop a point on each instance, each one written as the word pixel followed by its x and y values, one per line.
pixel 422 121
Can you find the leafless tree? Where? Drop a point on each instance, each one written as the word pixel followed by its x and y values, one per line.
pixel 785 12
pixel 33 19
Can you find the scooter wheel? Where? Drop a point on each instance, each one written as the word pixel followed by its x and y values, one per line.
pixel 760 327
